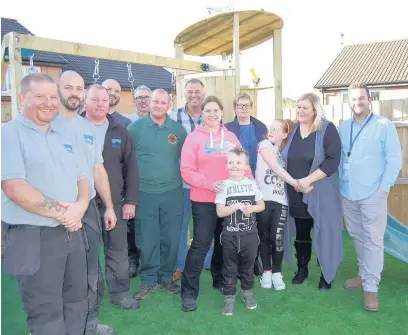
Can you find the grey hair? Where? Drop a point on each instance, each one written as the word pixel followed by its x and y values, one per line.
pixel 97 87
pixel 142 88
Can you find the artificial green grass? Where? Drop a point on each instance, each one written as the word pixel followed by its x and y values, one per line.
pixel 297 310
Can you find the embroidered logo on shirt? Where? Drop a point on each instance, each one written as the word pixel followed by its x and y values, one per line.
pixel 88 139
pixel 116 142
pixel 172 139
pixel 68 147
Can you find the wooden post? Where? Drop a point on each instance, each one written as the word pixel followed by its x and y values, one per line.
pixel 277 69
pixel 179 54
pixel 4 65
pixel 15 69
pixel 236 53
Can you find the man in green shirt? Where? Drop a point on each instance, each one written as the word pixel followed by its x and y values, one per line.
pixel 159 215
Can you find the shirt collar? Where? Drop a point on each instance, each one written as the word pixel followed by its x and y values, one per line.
pixel 167 123
pixel 365 120
pixel 30 124
pixel 185 111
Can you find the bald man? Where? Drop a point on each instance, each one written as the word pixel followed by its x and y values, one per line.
pixel 114 89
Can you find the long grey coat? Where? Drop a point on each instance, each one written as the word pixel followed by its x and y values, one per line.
pixel 324 207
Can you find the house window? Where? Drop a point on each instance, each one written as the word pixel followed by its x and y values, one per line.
pixel 345 98
pixel 6 85
pixel 375 96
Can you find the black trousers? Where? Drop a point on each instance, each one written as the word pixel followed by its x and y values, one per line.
pixel 303 229
pixel 271 229
pixel 206 226
pixel 133 251
pixel 239 253
pixel 50 268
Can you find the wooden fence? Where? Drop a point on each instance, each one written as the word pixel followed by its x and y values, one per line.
pixel 396 111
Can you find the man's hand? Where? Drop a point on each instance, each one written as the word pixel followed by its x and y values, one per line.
pixel 128 211
pixel 76 227
pixel 110 219
pixel 74 213
pixel 218 187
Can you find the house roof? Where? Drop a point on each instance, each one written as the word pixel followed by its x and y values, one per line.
pixel 375 64
pixel 151 76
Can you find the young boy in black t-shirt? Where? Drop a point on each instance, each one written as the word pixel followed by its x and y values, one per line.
pixel 238 203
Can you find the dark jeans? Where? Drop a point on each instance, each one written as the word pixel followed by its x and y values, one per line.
pixel 207 225
pixel 50 268
pixel 133 251
pixel 239 254
pixel 271 229
pixel 303 229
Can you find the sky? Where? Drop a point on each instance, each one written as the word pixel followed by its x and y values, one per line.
pixel 311 32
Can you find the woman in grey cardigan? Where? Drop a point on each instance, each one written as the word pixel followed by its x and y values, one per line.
pixel 312 156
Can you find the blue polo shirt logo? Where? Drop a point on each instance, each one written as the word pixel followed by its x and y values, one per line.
pixel 68 147
pixel 88 139
pixel 116 142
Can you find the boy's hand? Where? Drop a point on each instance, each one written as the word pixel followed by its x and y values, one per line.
pixel 248 210
pixel 240 206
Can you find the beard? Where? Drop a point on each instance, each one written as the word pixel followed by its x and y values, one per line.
pixel 73 103
pixel 114 101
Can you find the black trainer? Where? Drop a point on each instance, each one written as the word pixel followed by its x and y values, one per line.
pixel 189 305
pixel 323 284
pixel 143 292
pixel 171 287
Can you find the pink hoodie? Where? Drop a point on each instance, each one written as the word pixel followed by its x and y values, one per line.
pixel 204 160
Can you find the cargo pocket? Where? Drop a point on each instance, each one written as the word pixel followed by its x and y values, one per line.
pixel 23 250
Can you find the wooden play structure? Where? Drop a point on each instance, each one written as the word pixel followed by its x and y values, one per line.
pixel 226 35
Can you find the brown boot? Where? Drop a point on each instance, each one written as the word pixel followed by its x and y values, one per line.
pixel 354 284
pixel 177 275
pixel 371 302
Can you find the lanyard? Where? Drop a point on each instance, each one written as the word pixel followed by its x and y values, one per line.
pixel 351 134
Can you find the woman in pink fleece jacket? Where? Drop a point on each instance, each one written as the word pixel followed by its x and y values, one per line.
pixel 204 167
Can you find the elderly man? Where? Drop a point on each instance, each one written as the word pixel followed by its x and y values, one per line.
pixel 158 141
pixel 45 194
pixel 371 159
pixel 121 166
pixel 189 117
pixel 114 89
pixel 142 101
pixel 71 94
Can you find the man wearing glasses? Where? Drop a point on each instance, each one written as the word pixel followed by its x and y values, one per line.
pixel 142 101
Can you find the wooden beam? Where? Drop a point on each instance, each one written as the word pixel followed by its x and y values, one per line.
pixel 236 53
pixel 179 53
pixel 402 181
pixel 4 65
pixel 277 69
pixel 15 71
pixel 93 51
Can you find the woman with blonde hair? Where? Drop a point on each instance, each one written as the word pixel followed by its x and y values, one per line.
pixel 312 156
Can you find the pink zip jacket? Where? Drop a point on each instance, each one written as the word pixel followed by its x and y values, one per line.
pixel 204 160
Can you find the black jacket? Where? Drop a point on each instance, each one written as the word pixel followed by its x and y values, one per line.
pixel 260 129
pixel 120 163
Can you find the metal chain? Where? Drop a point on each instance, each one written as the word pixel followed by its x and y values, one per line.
pixel 96 75
pixel 31 68
pixel 173 80
pixel 131 78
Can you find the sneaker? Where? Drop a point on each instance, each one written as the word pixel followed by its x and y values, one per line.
pixel 266 279
pixel 143 292
pixel 229 303
pixel 189 305
pixel 126 302
pixel 100 329
pixel 277 281
pixel 354 284
pixel 249 300
pixel 171 287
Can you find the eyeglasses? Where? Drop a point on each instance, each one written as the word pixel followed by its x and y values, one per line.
pixel 241 106
pixel 142 98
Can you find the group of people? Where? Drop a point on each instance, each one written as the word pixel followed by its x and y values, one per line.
pixel 76 172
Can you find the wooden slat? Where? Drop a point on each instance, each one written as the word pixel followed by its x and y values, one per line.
pixel 4 65
pixel 277 68
pixel 397 203
pixel 235 41
pixel 93 51
pixel 15 69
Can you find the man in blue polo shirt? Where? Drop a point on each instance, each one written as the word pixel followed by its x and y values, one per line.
pixel 371 159
pixel 45 194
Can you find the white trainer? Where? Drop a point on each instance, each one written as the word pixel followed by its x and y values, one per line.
pixel 266 280
pixel 277 281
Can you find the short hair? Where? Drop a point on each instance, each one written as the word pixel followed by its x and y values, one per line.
pixel 360 85
pixel 163 91
pixel 142 88
pixel 317 107
pixel 194 81
pixel 240 96
pixel 240 152
pixel 212 98
pixel 96 87
pixel 25 83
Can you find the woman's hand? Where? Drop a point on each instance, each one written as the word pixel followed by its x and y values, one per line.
pixel 218 187
pixel 303 184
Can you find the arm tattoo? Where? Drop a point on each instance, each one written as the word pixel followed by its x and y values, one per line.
pixel 48 203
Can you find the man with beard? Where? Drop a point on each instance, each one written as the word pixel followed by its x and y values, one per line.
pixel 142 101
pixel 71 93
pixel 121 166
pixel 371 159
pixel 114 89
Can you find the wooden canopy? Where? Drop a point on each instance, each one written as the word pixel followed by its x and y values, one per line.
pixel 214 36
